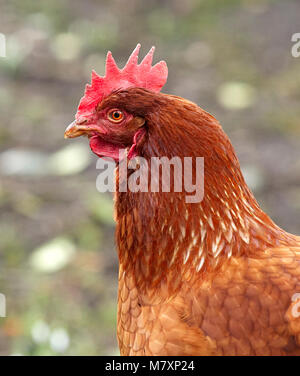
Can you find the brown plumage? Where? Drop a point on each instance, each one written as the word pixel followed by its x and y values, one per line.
pixel 213 278
pixel 239 302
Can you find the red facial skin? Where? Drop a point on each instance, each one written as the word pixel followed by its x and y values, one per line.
pixel 108 136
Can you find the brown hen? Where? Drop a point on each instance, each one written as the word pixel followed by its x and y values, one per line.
pixel 216 277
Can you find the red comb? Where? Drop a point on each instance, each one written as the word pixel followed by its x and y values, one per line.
pixel 132 75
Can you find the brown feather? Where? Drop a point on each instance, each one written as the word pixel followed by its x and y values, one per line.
pixel 214 278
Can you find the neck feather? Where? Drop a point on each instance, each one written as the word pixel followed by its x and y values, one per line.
pixel 162 239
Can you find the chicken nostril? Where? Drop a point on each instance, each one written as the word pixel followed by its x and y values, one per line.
pixel 81 121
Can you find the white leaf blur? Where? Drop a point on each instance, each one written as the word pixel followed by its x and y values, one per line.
pixel 236 95
pixel 53 256
pixel 72 159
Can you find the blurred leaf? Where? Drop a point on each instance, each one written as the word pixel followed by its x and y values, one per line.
pixel 236 95
pixel 40 332
pixel 53 256
pixel 72 159
pixel 59 340
pixel 66 46
pixel 23 162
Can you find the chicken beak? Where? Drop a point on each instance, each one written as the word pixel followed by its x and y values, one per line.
pixel 76 130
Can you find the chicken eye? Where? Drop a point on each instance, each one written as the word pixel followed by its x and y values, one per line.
pixel 116 116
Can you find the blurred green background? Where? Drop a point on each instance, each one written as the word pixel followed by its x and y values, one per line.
pixel 58 265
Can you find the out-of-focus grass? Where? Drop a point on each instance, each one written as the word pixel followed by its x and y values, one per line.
pixel 58 265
